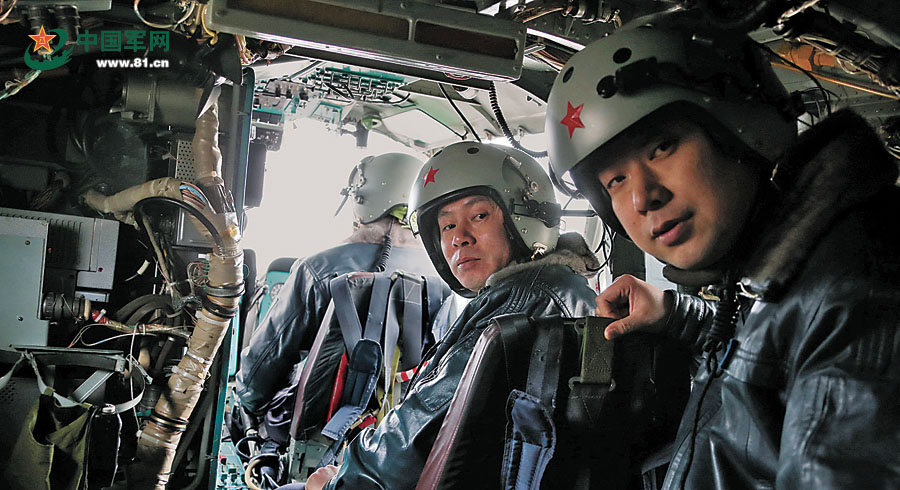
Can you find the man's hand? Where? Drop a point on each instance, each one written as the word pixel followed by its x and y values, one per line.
pixel 321 476
pixel 635 304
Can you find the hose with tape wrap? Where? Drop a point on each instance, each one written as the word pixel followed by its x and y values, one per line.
pixel 159 437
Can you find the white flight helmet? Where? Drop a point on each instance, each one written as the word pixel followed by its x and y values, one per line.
pixel 665 65
pixel 514 180
pixel 378 184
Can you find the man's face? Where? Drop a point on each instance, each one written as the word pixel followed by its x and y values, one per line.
pixel 473 240
pixel 678 196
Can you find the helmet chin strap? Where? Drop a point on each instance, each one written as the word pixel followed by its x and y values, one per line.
pixel 548 212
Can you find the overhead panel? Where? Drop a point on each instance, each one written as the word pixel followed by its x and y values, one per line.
pixel 434 37
pixel 418 125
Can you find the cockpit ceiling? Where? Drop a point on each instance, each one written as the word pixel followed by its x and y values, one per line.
pixel 553 31
pixel 384 66
pixel 459 43
pixel 416 125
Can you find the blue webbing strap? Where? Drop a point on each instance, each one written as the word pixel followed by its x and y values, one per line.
pixel 362 375
pixel 531 434
pixel 530 442
pixel 364 360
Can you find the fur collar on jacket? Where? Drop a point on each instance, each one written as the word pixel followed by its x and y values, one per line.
pixel 834 166
pixel 374 233
pixel 571 250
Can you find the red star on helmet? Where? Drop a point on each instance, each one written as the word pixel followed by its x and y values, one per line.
pixel 573 118
pixel 430 176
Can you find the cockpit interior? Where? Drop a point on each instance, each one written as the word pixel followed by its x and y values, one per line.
pixel 135 136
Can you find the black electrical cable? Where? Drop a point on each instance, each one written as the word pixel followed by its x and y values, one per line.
pixel 696 423
pixel 335 90
pixel 602 238
pixel 263 456
pixel 442 123
pixel 724 323
pixel 138 208
pixel 495 106
pixel 461 116
pixel 381 101
pixel 126 311
pixel 722 331
pixel 390 102
pixel 163 259
pixel 145 310
pixel 266 455
pixel 402 100
pixel 815 95
pixel 169 257
pixel 561 185
pixel 385 249
pixel 237 446
pixel 608 238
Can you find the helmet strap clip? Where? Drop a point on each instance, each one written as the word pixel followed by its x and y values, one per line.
pixel 549 213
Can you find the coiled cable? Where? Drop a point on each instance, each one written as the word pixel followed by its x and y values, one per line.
pixel 385 249
pixel 724 323
pixel 495 106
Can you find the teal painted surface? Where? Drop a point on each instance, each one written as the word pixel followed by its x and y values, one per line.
pixel 270 110
pixel 242 128
pixel 221 387
pixel 274 279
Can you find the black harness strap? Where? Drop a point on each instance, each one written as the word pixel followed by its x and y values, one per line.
pixel 351 328
pixel 411 291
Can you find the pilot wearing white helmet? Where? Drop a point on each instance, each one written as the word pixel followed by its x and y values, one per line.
pixel 489 220
pixel 683 140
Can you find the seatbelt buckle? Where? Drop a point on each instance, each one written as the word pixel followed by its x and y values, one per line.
pixel 596 353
